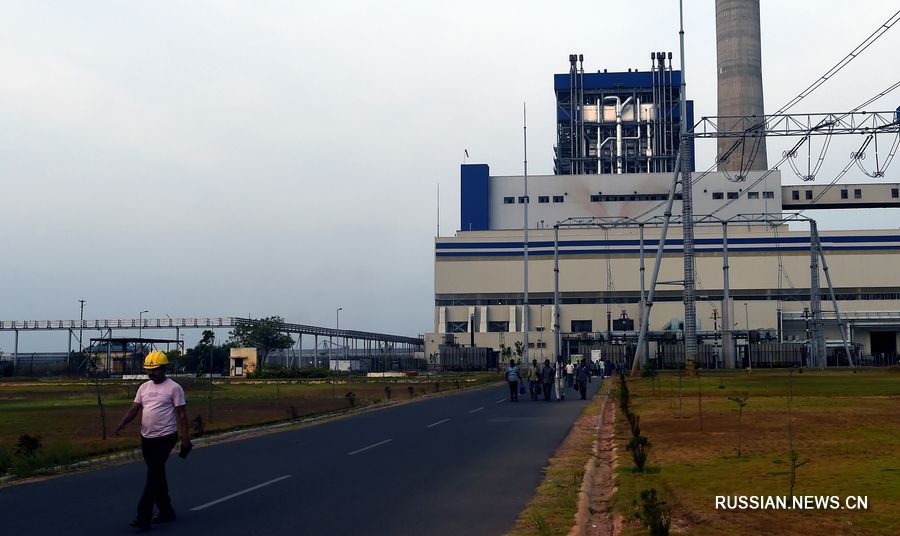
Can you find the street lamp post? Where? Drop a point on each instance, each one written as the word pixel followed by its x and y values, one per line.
pixel 81 328
pixel 141 329
pixel 337 325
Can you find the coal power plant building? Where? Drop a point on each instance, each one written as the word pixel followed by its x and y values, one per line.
pixel 594 229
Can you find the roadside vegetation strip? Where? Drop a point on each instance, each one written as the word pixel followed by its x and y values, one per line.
pixel 59 420
pixel 554 506
pixel 842 426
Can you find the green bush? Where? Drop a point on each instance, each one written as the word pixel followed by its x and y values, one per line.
pixel 6 461
pixel 653 513
pixel 634 422
pixel 58 454
pixel 639 447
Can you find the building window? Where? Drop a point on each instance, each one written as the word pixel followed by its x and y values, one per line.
pixel 718 195
pixel 732 195
pixel 768 195
pixel 498 327
pixel 795 195
pixel 521 199
pixel 543 199
pixel 895 192
pixel 857 193
pixel 845 194
pixel 558 199
pixel 752 195
pixel 457 327
pixel 595 199
pixel 808 194
pixel 582 326
pixel 509 200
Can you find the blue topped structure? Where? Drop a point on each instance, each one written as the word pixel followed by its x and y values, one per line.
pixel 621 122
pixel 474 200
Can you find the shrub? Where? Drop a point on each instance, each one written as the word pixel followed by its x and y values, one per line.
pixel 6 461
pixel 351 398
pixel 198 426
pixel 28 446
pixel 623 395
pixel 634 422
pixel 639 447
pixel 653 513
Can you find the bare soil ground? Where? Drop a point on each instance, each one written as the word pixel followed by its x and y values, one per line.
pixel 846 428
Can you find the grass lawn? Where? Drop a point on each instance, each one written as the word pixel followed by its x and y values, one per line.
pixel 846 428
pixel 66 417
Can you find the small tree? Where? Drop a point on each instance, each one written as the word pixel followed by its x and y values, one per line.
pixel 264 334
pixel 741 400
pixel 653 513
pixel 639 447
pixel 94 368
pixel 520 351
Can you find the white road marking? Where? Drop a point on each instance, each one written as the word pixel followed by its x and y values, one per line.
pixel 502 400
pixel 238 494
pixel 476 410
pixel 437 423
pixel 369 447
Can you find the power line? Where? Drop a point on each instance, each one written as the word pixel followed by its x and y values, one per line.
pixel 867 42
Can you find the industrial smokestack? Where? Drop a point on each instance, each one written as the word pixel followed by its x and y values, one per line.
pixel 740 89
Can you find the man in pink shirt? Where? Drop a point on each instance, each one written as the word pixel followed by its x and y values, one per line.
pixel 163 417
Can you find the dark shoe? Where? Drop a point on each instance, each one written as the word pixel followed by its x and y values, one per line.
pixel 141 524
pixel 168 518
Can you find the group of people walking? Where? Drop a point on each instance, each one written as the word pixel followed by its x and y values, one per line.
pixel 541 379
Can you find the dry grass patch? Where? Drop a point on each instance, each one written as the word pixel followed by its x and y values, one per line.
pixel 845 426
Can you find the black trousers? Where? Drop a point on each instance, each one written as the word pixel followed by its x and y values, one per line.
pixel 156 451
pixel 546 387
pixel 513 390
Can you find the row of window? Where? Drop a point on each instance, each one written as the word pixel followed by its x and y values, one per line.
pixel 510 200
pixel 597 198
pixel 845 194
pixel 600 198
pixel 735 195
pixel 578 326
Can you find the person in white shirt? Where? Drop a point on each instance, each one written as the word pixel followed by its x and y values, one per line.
pixel 163 417
pixel 570 375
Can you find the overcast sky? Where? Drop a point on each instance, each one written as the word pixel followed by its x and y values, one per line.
pixel 256 158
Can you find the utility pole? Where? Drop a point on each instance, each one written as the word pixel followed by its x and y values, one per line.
pixel 687 213
pixel 525 315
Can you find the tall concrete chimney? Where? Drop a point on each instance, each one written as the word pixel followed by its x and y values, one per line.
pixel 740 89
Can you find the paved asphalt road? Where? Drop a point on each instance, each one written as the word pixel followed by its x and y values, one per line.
pixel 461 464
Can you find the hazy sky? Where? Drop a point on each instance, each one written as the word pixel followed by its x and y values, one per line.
pixel 232 158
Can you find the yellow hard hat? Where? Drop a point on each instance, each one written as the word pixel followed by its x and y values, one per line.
pixel 155 359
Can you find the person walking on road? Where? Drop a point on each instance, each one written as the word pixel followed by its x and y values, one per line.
pixel 534 379
pixel 570 374
pixel 163 418
pixel 512 379
pixel 583 377
pixel 547 374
